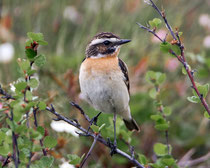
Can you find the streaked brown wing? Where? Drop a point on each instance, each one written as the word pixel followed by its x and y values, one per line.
pixel 124 69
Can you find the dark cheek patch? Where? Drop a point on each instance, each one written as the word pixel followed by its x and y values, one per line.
pixel 106 50
pixel 110 50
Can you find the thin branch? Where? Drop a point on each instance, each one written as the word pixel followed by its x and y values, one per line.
pixel 99 139
pixel 180 58
pixel 81 110
pixel 89 152
pixel 14 144
pixel 185 161
pixel 149 30
pixel 199 160
pixel 36 125
pixel 6 95
pixel 6 161
pixel 162 14
pixel 160 109
pixel 15 150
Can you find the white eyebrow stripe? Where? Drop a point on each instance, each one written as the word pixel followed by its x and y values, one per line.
pixel 97 41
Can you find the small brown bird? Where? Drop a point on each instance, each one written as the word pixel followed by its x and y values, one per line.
pixel 104 80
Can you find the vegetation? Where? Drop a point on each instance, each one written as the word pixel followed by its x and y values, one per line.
pixel 40 104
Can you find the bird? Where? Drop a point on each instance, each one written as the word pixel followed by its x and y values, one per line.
pixel 104 80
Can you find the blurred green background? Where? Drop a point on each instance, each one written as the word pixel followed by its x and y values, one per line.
pixel 69 25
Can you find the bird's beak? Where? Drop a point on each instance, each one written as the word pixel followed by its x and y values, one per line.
pixel 123 41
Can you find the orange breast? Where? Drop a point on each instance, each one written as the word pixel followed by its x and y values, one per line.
pixel 101 65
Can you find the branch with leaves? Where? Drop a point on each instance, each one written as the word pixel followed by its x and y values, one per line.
pixel 95 135
pixel 176 48
pixel 160 118
pixel 24 108
pixel 20 110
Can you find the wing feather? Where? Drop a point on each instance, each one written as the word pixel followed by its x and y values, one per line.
pixel 124 70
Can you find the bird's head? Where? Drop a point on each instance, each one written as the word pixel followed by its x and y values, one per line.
pixel 103 45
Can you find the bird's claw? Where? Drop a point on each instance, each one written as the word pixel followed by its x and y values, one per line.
pixel 113 147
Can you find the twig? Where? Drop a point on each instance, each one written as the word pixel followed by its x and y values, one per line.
pixel 186 157
pixel 99 139
pixel 14 144
pixel 36 125
pixel 167 141
pixel 6 161
pixel 160 109
pixel 149 30
pixel 199 160
pixel 6 95
pixel 162 14
pixel 180 58
pixel 15 150
pixel 89 152
pixel 186 162
pixel 81 110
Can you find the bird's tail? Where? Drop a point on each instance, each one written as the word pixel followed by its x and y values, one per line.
pixel 131 125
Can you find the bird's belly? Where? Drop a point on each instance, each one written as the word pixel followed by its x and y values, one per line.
pixel 105 92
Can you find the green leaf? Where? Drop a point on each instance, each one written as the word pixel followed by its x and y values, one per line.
pixel 42 105
pixel 180 34
pixel 40 60
pixel 4 150
pixel 33 83
pixel 36 148
pixel 50 142
pixel 184 71
pixel 11 124
pixel 208 62
pixel 29 95
pixel 21 129
pixel 176 49
pixel 167 111
pixel 35 134
pixel 203 89
pixel 155 22
pixel 151 77
pixel 193 99
pixel 30 53
pixel 156 117
pixel 161 78
pixel 162 127
pixel 74 159
pixel 2 136
pixel 101 127
pixel 31 72
pixel 95 128
pixel 42 42
pixel 160 149
pixel 29 42
pixel 142 159
pixel 126 135
pixel 24 153
pixel 167 160
pixel 165 47
pixel 24 64
pixel 46 162
pixel 152 93
pixel 29 105
pixel 35 36
pixel 41 130
pixel 206 114
pixel 20 86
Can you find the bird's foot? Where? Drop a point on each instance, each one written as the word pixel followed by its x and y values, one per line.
pixel 113 147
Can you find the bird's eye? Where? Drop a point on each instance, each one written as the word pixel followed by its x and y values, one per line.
pixel 106 42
